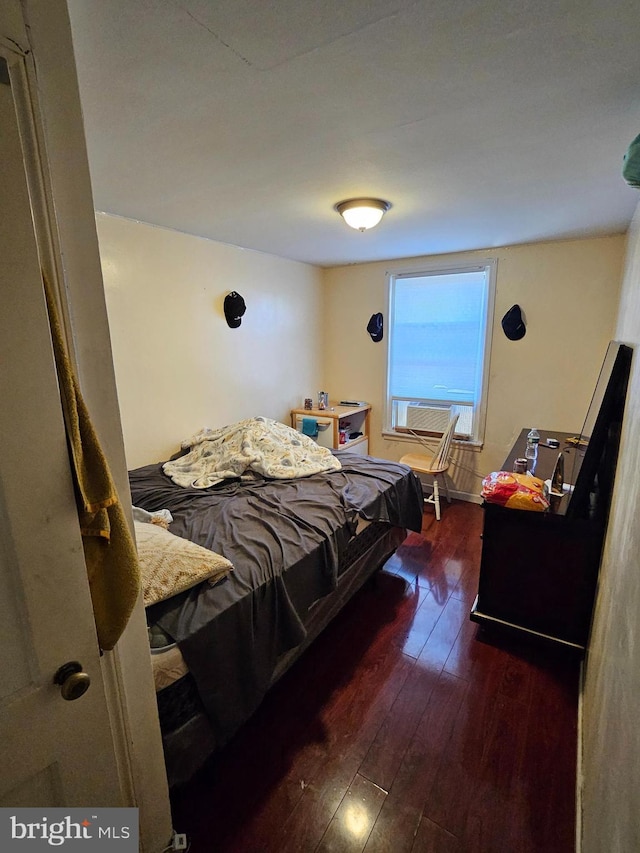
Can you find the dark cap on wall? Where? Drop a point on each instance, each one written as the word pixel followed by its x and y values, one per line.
pixel 375 327
pixel 234 308
pixel 513 324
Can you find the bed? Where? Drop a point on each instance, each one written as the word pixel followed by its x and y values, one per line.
pixel 300 548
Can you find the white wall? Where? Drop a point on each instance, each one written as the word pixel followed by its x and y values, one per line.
pixel 178 365
pixel 611 740
pixel 569 294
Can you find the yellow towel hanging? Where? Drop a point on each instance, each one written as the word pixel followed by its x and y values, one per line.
pixel 110 553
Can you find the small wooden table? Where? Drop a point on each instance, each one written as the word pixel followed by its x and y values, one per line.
pixel 356 416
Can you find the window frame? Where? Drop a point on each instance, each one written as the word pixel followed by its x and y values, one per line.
pixel 433 268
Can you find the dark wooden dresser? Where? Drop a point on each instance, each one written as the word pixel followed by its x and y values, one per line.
pixel 539 570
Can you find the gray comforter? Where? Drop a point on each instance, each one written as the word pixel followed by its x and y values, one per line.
pixel 285 539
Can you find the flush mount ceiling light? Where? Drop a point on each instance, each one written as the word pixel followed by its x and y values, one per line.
pixel 362 213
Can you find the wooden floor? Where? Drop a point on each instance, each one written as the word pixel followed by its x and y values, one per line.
pixel 402 728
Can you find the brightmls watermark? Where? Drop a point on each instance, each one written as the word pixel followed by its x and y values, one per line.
pixel 103 830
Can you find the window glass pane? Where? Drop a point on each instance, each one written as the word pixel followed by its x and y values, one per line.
pixel 437 338
pixel 439 334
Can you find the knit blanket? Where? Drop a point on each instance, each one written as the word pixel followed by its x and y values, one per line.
pixel 253 446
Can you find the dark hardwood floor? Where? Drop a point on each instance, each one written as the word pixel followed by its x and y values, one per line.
pixel 402 728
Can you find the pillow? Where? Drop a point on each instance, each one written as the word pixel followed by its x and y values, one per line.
pixel 162 517
pixel 170 564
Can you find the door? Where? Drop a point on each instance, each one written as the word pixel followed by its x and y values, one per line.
pixel 53 752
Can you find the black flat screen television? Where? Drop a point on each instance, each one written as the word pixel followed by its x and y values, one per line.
pixel 595 457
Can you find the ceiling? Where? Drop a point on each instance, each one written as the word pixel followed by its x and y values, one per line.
pixel 245 121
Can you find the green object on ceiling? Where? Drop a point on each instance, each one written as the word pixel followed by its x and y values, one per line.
pixel 631 164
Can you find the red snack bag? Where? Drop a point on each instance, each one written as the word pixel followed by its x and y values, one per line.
pixel 515 491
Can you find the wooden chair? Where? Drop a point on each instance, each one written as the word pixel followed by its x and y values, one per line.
pixel 434 465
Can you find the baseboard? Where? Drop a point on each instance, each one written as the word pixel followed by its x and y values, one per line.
pixel 456 496
pixel 466 496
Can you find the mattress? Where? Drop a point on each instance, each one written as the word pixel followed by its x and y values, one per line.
pixel 187 734
pixel 167 662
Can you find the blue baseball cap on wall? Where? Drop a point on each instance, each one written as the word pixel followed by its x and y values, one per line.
pixel 513 325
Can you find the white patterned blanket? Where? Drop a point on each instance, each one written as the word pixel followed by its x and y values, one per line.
pixel 260 445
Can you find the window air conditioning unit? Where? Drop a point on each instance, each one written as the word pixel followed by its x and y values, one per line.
pixel 429 418
pixel 426 417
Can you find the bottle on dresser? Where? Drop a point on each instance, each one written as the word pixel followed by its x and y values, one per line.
pixel 533 439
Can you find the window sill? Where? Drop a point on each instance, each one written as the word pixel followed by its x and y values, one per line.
pixel 465 444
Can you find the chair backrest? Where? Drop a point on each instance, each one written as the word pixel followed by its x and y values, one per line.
pixel 440 459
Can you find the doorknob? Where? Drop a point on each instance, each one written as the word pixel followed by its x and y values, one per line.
pixel 73 682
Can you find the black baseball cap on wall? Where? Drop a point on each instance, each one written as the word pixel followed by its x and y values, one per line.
pixel 375 327
pixel 234 308
pixel 513 325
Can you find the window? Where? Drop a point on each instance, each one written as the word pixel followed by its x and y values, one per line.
pixel 439 345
